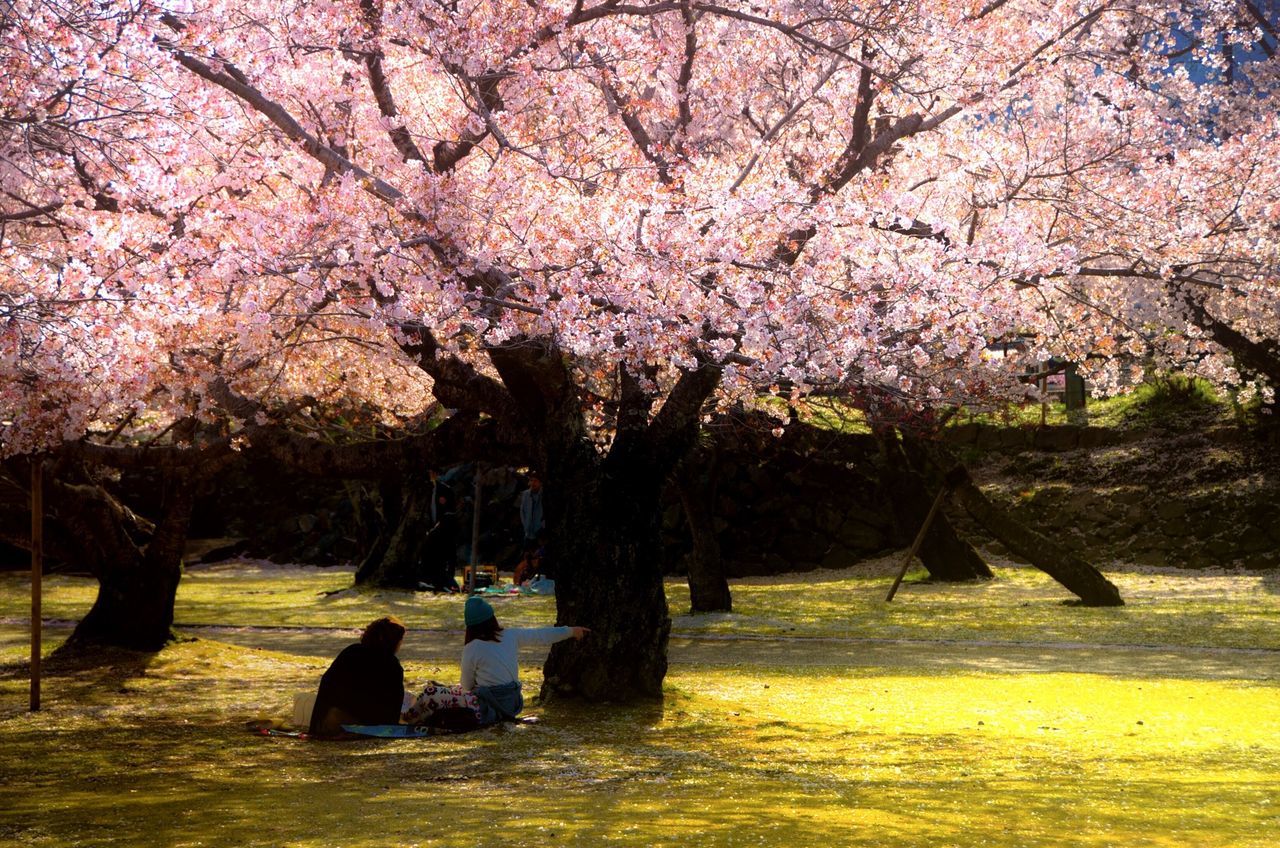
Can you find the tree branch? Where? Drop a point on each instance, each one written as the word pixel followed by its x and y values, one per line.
pixel 398 132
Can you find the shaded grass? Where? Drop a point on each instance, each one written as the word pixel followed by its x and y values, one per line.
pixel 1231 610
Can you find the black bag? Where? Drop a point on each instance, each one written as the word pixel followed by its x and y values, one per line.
pixel 452 720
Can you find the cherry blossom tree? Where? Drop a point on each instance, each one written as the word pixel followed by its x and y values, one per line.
pixel 592 223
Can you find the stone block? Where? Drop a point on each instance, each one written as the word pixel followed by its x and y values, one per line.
pixel 1012 438
pixel 1262 561
pixel 988 437
pixel 961 434
pixel 1153 557
pixel 860 537
pixel 1056 438
pixel 840 557
pixel 1094 437
pixel 1252 540
pixel 1220 549
pixel 1201 559
pixel 877 518
pixel 829 519
pixel 808 547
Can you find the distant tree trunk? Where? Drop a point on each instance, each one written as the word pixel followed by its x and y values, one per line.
pixel 695 481
pixel 399 548
pixel 1093 589
pixel 364 513
pixel 136 586
pixel 945 555
pixel 1081 578
pixel 389 512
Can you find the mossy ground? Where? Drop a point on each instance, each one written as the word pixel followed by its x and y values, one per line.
pixel 815 714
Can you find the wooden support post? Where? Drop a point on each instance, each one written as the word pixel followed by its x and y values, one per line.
pixel 37 574
pixel 470 582
pixel 919 540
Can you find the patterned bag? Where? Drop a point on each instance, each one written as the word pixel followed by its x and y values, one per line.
pixel 444 707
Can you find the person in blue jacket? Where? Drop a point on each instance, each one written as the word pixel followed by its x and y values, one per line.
pixel 490 659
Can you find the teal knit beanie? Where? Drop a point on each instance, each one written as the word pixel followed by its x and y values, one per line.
pixel 477 611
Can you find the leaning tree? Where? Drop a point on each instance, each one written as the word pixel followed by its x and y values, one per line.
pixel 590 223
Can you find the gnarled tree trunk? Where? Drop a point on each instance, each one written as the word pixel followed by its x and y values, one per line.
pixel 604 537
pixel 1093 589
pixel 395 559
pixel 136 585
pixel 603 513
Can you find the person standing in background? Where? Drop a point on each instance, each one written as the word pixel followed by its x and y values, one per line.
pixel 531 518
pixel 440 547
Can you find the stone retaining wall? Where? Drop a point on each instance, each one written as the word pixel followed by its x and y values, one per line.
pixel 1195 500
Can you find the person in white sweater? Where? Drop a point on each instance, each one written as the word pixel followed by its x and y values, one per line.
pixel 490 659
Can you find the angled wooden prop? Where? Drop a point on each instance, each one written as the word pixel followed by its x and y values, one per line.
pixel 953 478
pixel 919 540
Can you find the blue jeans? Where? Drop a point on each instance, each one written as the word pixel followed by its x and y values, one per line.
pixel 499 703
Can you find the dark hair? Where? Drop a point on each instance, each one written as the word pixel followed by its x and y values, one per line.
pixel 387 633
pixel 488 630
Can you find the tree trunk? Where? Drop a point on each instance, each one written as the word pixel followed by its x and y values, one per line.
pixel 604 538
pixel 945 555
pixel 136 588
pixel 399 565
pixel 1093 589
pixel 603 515
pixel 695 482
pixel 389 511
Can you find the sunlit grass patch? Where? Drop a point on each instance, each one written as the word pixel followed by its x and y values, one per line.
pixel 149 750
pixel 1020 605
pixel 1045 755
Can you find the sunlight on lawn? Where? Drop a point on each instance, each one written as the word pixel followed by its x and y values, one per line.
pixel 813 715
pixel 151 751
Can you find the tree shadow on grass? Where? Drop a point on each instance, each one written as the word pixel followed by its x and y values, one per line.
pixel 168 762
pixel 85 668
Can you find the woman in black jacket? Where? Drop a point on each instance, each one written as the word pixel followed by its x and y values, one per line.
pixel 365 684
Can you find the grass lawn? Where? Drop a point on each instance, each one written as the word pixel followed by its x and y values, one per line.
pixel 814 715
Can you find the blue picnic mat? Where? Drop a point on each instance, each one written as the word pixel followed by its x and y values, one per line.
pixel 388 731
